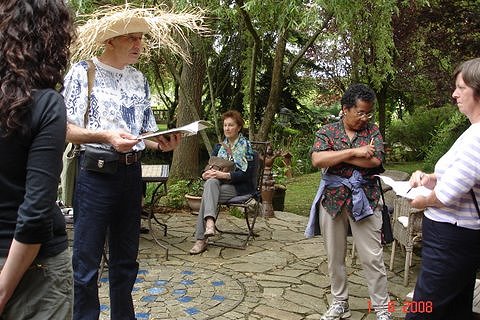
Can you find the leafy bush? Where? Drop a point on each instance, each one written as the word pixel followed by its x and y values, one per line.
pixel 447 133
pixel 235 212
pixel 279 171
pixel 298 143
pixel 175 197
pixel 195 187
pixel 295 130
pixel 411 136
pixel 400 153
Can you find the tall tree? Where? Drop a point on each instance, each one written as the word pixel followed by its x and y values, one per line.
pixel 431 41
pixel 276 20
pixel 186 157
pixel 365 26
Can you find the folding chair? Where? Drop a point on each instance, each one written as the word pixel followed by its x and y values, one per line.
pixel 249 204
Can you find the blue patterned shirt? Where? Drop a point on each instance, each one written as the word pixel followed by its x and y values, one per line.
pixel 120 100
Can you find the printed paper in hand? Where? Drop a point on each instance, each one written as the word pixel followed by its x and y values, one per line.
pixel 402 188
pixel 186 130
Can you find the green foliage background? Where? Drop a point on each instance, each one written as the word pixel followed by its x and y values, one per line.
pixel 447 133
pixel 410 137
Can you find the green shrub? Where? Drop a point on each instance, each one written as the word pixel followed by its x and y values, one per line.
pixel 279 171
pixel 295 132
pixel 175 197
pixel 447 133
pixel 409 138
pixel 235 212
pixel 298 143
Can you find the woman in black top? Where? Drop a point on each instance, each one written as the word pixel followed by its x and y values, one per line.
pixel 35 277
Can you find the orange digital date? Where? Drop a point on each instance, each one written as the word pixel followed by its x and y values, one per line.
pixel 407 306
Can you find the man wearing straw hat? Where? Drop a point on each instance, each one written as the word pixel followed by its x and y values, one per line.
pixel 108 192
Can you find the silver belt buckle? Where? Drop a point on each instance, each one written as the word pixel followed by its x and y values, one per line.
pixel 131 158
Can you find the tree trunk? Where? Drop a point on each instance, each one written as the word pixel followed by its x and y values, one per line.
pixel 186 156
pixel 253 68
pixel 275 88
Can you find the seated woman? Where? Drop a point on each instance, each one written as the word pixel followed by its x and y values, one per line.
pixel 222 186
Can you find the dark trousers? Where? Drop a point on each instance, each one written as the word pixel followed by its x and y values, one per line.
pixel 106 202
pixel 450 259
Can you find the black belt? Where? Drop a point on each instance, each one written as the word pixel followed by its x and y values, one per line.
pixel 129 157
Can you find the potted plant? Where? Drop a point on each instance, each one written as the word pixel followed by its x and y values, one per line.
pixel 193 194
pixel 181 190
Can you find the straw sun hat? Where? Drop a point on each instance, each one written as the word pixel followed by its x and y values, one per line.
pixel 163 29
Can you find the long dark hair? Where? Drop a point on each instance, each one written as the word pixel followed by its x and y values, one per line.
pixel 35 36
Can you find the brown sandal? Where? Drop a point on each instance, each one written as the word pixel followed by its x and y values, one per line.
pixel 199 247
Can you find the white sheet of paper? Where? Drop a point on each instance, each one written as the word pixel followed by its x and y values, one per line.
pixel 402 188
pixel 186 130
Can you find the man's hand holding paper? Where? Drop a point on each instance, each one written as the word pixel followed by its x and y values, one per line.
pixel 168 143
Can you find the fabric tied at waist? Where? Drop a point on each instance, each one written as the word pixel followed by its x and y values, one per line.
pixel 361 207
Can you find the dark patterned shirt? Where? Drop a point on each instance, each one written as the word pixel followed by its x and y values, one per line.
pixel 332 137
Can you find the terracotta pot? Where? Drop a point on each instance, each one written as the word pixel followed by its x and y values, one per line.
pixel 193 202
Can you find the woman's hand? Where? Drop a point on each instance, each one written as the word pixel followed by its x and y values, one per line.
pixel 420 178
pixel 215 174
pixel 19 259
pixel 367 151
pixel 420 202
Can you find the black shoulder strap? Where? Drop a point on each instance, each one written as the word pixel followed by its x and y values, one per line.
pixel 381 190
pixel 475 201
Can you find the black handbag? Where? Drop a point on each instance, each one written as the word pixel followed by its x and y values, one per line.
pixel 387 232
pixel 100 160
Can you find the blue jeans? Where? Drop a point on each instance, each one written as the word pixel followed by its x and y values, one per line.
pixel 450 259
pixel 106 202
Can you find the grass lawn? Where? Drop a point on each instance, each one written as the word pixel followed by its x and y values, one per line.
pixel 409 167
pixel 300 193
pixel 301 190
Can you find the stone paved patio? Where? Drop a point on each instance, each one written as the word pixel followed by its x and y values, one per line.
pixel 281 275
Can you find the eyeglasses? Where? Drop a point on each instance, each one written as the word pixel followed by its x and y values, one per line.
pixel 361 114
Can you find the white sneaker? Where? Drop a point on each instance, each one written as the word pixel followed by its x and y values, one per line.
pixel 337 310
pixel 384 315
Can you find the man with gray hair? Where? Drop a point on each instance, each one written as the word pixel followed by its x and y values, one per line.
pixel 107 121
